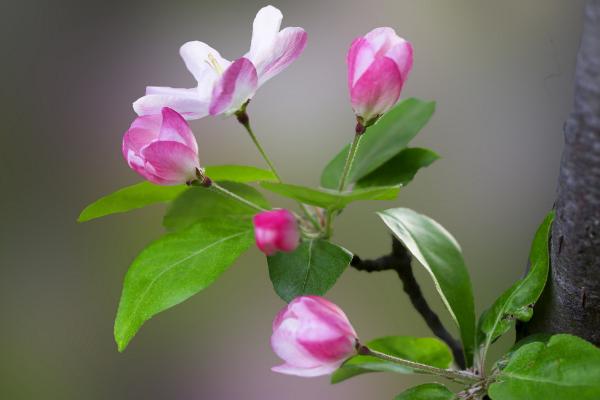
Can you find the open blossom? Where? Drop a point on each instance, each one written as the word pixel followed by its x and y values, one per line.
pixel 378 65
pixel 162 148
pixel 224 86
pixel 313 336
pixel 276 230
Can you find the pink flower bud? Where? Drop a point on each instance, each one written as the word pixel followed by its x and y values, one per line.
pixel 162 148
pixel 313 336
pixel 378 65
pixel 275 231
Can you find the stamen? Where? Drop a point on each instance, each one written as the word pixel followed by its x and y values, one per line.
pixel 214 64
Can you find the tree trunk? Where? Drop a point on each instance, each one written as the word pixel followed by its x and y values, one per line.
pixel 571 300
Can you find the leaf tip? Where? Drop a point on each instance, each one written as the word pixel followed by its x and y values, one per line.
pixel 121 342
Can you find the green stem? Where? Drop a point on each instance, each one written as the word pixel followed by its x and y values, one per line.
pixel 243 119
pixel 236 197
pixel 459 376
pixel 349 160
pixel 246 123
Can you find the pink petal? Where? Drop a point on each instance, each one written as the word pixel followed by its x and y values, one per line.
pixel 326 312
pixel 402 54
pixel 329 350
pixel 382 39
pixel 360 57
pixel 137 138
pixel 237 85
pixel 151 122
pixel 186 102
pixel 172 162
pixel 377 90
pixel 175 128
pixel 264 32
pixel 284 344
pixel 320 370
pixel 280 317
pixel 195 54
pixel 287 47
pixel 266 240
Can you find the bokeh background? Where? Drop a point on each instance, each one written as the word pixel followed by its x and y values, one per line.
pixel 501 73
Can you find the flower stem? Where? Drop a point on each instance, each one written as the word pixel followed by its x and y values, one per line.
pixel 242 117
pixel 349 160
pixel 459 376
pixel 226 192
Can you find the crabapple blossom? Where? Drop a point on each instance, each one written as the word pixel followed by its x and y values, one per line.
pixel 224 86
pixel 276 230
pixel 162 148
pixel 378 65
pixel 313 336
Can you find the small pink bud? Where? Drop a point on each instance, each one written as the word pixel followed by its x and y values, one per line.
pixel 162 148
pixel 275 231
pixel 313 336
pixel 378 65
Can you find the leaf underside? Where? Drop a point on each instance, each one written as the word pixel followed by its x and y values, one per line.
pixel 440 254
pixel 517 302
pixel 430 351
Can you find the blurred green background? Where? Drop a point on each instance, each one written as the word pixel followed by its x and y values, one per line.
pixel 501 73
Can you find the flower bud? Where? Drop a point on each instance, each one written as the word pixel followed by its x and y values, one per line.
pixel 313 336
pixel 162 148
pixel 275 231
pixel 378 65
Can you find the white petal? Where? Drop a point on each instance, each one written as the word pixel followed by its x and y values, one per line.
pixel 287 47
pixel 264 32
pixel 186 102
pixel 321 370
pixel 284 344
pixel 197 57
pixel 236 86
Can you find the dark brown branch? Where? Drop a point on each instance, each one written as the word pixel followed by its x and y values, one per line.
pixel 571 301
pixel 399 260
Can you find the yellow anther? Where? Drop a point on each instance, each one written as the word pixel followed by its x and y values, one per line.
pixel 212 61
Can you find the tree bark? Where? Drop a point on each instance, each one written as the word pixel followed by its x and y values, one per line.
pixel 571 300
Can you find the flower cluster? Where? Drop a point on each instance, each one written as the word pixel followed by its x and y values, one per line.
pixel 312 335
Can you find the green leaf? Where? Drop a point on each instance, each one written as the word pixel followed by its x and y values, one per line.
pixel 517 302
pixel 198 203
pixel 239 173
pixel 129 198
pixel 428 351
pixel 381 142
pixel 330 199
pixel 313 268
pixel 145 193
pixel 427 391
pixel 537 337
pixel 435 248
pixel 175 267
pixel 399 170
pixel 564 368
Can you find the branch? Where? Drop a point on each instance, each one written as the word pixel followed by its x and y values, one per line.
pixel 571 300
pixel 399 260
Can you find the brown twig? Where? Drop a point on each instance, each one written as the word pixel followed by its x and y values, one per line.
pixel 399 260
